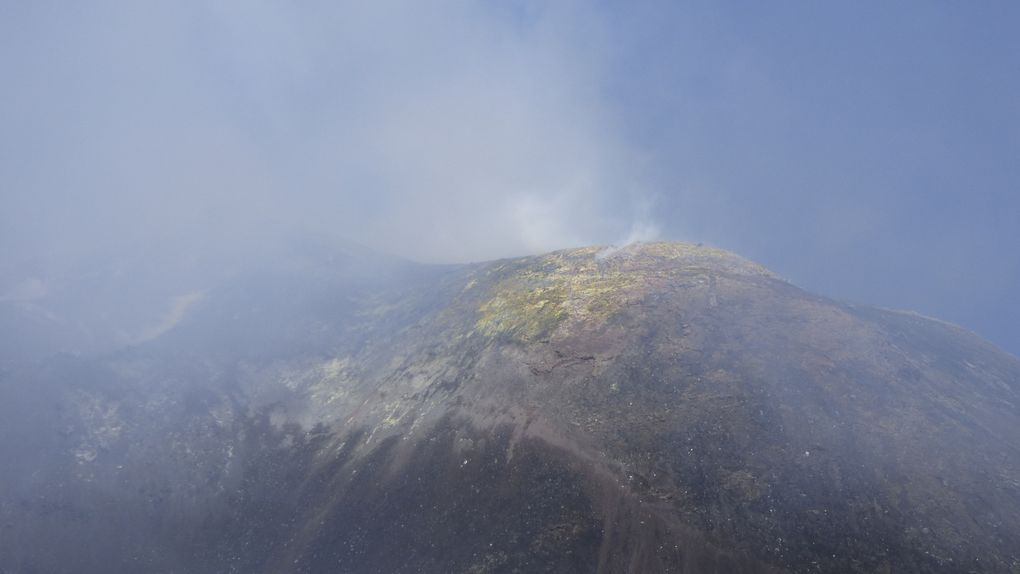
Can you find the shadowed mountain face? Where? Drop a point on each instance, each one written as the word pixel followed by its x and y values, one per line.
pixel 658 408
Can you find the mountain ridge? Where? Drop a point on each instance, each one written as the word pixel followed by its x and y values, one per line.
pixel 663 407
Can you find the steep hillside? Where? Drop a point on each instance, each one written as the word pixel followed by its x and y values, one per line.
pixel 658 408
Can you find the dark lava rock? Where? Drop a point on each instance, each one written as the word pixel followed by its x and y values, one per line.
pixel 656 408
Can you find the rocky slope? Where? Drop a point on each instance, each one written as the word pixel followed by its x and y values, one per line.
pixel 659 408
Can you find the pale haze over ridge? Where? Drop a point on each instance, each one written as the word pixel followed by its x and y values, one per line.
pixel 867 152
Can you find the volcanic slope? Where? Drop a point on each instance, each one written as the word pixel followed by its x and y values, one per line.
pixel 660 407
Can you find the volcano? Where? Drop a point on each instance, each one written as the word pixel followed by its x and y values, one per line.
pixel 661 407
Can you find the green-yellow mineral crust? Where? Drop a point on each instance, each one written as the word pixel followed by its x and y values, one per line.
pixel 532 297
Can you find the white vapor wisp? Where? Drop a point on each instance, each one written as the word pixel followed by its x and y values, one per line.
pixel 442 132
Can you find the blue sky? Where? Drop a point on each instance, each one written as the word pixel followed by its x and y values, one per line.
pixel 867 151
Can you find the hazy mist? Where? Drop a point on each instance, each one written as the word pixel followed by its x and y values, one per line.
pixel 431 287
pixel 866 152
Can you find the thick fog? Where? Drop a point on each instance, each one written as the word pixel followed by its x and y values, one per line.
pixel 868 153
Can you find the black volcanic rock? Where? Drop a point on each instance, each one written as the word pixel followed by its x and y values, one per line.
pixel 657 408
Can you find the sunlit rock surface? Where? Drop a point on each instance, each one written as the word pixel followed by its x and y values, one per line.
pixel 659 407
